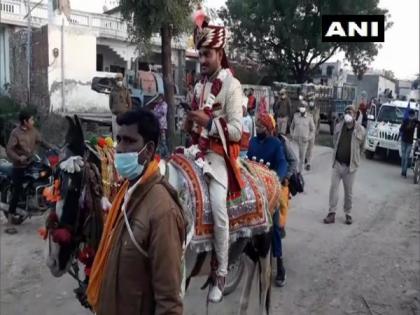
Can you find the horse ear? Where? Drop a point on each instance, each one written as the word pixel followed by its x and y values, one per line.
pixel 79 128
pixel 70 121
pixel 79 141
pixel 70 130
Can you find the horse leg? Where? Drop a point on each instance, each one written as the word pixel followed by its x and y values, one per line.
pixel 265 283
pixel 246 290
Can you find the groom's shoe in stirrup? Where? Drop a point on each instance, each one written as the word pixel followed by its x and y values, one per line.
pixel 216 290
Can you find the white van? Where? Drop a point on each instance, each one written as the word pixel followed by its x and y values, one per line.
pixel 384 130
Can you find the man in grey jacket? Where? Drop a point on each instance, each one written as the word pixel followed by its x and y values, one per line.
pixel 349 138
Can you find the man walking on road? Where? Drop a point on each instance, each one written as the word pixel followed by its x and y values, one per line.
pixel 271 150
pixel 349 138
pixel 302 130
pixel 314 111
pixel 407 137
pixel 119 102
pixel 282 112
pixel 138 265
pixel 252 102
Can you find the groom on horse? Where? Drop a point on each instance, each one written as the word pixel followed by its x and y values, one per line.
pixel 215 125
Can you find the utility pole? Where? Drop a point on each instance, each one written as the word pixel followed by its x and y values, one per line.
pixel 29 50
pixel 29 46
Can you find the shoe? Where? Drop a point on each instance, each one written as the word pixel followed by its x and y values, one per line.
pixel 17 219
pixel 404 174
pixel 330 218
pixel 216 290
pixel 10 230
pixel 308 167
pixel 280 280
pixel 349 219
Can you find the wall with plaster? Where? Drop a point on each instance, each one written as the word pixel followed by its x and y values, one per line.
pixel 78 55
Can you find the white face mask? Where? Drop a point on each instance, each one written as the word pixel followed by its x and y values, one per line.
pixel 302 110
pixel 119 83
pixel 312 104
pixel 348 118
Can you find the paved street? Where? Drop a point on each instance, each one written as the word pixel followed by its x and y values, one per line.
pixel 370 267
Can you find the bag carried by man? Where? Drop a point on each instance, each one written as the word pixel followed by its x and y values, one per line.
pixel 296 184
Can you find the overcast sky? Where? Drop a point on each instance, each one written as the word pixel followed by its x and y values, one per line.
pixel 400 52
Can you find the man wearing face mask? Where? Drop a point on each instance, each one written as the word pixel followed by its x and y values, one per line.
pixel 271 150
pixel 302 130
pixel 349 138
pixel 119 101
pixel 137 269
pixel 314 111
pixel 282 112
pixel 407 137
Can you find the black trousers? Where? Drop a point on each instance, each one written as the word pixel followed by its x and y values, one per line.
pixel 17 189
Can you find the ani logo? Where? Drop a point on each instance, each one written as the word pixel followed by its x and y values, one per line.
pixel 353 28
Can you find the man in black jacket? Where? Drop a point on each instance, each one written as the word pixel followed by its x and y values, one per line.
pixel 407 137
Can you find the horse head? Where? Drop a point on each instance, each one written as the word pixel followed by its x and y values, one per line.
pixel 73 201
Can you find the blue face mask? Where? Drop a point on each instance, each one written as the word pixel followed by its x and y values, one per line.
pixel 127 164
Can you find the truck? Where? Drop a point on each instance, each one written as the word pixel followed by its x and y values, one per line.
pixel 383 134
pixel 331 100
pixel 143 85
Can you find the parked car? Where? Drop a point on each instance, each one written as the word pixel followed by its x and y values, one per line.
pixel 384 128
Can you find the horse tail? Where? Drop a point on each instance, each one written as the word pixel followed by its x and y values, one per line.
pixel 260 280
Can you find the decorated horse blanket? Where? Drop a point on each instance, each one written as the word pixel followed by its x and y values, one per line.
pixel 249 214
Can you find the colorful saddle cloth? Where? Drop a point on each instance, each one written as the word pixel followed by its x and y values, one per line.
pixel 249 214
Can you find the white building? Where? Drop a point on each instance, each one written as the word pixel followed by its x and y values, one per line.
pixel 66 56
pixel 404 89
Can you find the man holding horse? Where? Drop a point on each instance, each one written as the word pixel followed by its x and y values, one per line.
pixel 137 268
pixel 217 110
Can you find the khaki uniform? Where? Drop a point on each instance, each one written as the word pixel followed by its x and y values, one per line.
pixel 315 114
pixel 302 130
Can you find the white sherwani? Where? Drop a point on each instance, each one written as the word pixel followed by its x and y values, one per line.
pixel 227 105
pixel 230 100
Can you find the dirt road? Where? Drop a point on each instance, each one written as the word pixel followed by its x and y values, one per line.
pixel 370 267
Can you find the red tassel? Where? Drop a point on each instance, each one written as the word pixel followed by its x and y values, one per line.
pixel 199 17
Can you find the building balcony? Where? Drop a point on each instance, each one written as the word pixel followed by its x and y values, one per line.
pixel 14 12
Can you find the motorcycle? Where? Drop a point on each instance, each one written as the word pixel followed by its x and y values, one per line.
pixel 38 175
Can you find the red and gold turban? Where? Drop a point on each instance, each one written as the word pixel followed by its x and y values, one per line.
pixel 209 36
pixel 266 121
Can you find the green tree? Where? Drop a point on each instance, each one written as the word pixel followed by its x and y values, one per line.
pixel 286 34
pixel 389 74
pixel 169 18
